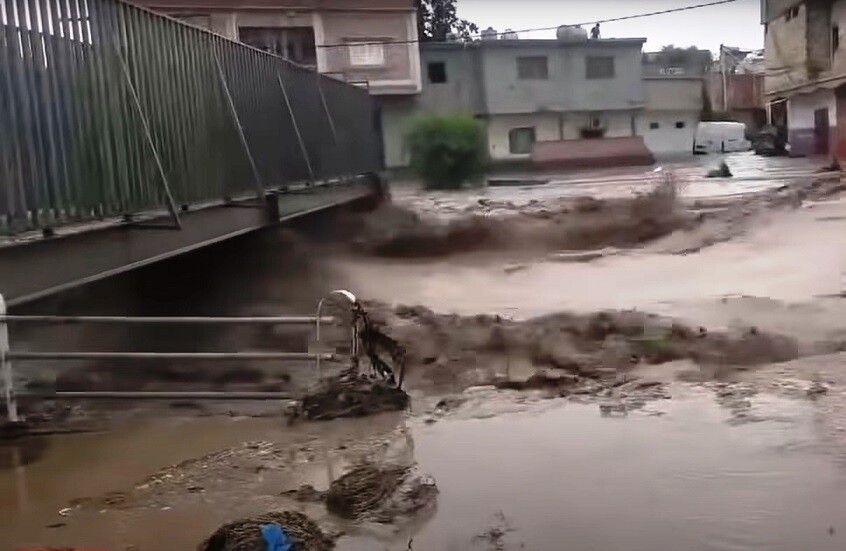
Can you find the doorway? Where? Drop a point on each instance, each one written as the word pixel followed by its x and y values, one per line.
pixel 821 131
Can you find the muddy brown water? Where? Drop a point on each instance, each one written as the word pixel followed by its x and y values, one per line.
pixel 681 474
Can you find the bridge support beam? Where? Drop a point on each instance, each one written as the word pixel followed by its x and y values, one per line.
pixel 34 268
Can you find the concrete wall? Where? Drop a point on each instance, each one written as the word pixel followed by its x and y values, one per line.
pixel 546 127
pixel 395 113
pixel 552 127
pixel 462 91
pixel 785 52
pixel 566 88
pixel 800 50
pixel 669 101
pixel 800 120
pixel 400 72
pixel 667 138
pixel 673 93
pixel 334 23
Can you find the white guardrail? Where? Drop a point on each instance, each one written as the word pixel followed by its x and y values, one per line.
pixel 7 355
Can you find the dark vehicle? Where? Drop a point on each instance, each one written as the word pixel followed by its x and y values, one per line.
pixel 769 142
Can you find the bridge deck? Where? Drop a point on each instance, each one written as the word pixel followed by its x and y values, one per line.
pixel 37 267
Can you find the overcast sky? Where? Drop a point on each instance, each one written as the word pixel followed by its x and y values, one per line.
pixel 734 24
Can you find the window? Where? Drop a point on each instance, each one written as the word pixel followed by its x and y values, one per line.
pixel 437 72
pixel 532 68
pixel 521 140
pixel 599 67
pixel 680 124
pixel 294 43
pixel 792 13
pixel 367 53
pixel 835 38
pixel 653 126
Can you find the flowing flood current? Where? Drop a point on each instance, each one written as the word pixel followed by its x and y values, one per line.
pixel 705 465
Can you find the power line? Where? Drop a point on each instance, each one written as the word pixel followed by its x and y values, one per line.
pixel 478 35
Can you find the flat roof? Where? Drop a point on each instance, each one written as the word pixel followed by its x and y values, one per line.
pixel 534 43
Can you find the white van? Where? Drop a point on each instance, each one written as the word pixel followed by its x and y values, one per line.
pixel 720 137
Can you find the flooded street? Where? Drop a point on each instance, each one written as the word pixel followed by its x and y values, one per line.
pixel 630 452
pixel 683 473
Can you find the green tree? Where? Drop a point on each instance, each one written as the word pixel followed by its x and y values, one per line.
pixel 437 19
pixel 446 150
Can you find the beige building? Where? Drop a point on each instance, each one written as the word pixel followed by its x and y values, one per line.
pixel 371 42
pixel 805 82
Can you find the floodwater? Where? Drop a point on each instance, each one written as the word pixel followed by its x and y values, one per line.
pixel 684 473
pixel 566 478
pixel 751 174
pixel 680 474
pixel 793 258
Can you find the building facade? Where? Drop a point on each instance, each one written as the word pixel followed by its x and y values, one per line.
pixel 671 113
pixel 548 90
pixel 371 42
pixel 528 91
pixel 805 82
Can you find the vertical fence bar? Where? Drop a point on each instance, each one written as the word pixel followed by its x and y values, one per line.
pixel 28 27
pixel 296 126
pixel 6 368
pixel 14 211
pixel 171 205
pixel 73 142
pixel 53 60
pixel 30 173
pixel 75 106
pixel 234 112
pixel 42 71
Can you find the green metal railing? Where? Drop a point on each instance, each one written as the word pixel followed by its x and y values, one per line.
pixel 107 109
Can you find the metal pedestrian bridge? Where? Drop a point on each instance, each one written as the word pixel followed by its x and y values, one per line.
pixel 127 137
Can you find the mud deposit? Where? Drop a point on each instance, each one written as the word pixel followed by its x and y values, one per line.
pixel 350 395
pixel 246 535
pixel 565 353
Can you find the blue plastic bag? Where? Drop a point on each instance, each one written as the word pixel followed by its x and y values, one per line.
pixel 275 538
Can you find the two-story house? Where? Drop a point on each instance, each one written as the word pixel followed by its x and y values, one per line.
pixel 370 42
pixel 805 82
pixel 571 88
pixel 548 90
pixel 527 91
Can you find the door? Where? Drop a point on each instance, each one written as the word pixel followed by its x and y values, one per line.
pixel 840 118
pixel 821 131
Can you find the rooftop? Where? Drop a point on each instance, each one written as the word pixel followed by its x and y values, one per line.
pixel 535 43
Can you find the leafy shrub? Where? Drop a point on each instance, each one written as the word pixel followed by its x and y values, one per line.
pixel 446 150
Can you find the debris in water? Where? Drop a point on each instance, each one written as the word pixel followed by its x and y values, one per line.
pixel 246 534
pixel 363 490
pixel 816 389
pixel 721 171
pixel 352 395
pixel 306 494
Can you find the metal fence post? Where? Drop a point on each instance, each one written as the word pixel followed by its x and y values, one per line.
pixel 6 367
pixel 296 126
pixel 354 330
